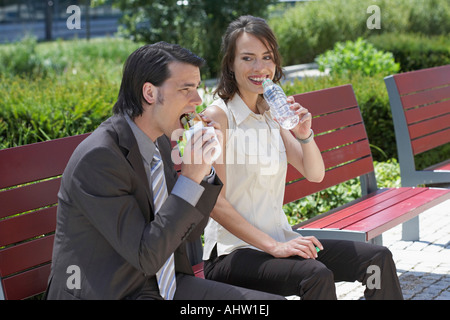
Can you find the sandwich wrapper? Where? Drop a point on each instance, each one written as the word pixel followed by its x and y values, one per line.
pixel 189 133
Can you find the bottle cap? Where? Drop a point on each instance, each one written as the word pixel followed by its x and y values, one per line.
pixel 267 82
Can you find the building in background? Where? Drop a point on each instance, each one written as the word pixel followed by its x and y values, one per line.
pixel 47 20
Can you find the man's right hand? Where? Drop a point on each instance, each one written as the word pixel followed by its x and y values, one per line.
pixel 197 157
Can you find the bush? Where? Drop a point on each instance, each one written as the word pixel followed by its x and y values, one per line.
pixel 322 201
pixel 33 111
pixel 22 58
pixel 69 87
pixel 359 56
pixel 387 173
pixel 431 17
pixel 414 51
pixel 29 59
pixel 311 28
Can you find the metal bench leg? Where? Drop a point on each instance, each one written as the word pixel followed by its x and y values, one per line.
pixel 410 229
pixel 378 240
pixel 2 296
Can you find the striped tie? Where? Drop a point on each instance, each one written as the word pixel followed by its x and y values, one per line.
pixel 165 275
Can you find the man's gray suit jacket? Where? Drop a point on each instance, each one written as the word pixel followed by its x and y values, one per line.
pixel 109 243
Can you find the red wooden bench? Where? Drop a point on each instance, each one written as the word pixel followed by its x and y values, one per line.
pixel 342 138
pixel 420 105
pixel 29 183
pixel 28 210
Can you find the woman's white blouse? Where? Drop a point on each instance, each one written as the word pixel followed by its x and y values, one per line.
pixel 256 167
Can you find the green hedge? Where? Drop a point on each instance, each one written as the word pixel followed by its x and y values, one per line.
pixel 414 51
pixel 75 83
pixel 94 58
pixel 52 90
pixel 311 28
pixel 33 111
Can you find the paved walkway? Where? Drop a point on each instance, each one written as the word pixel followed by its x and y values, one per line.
pixel 301 71
pixel 423 266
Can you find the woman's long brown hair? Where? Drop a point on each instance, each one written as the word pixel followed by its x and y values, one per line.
pixel 258 27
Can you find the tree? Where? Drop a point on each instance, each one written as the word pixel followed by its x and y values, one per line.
pixel 194 24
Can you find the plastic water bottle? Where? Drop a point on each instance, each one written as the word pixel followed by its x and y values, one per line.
pixel 279 106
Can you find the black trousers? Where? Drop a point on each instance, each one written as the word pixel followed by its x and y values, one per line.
pixel 341 260
pixel 192 288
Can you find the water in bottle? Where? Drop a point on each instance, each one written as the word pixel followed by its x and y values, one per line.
pixel 277 101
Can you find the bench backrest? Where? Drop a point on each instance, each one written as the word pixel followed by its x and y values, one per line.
pixel 420 102
pixel 29 183
pixel 342 139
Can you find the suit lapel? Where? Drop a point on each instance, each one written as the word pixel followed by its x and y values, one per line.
pixel 127 141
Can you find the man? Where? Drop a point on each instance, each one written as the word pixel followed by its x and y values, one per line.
pixel 123 213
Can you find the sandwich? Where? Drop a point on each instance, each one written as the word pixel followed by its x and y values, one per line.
pixel 188 120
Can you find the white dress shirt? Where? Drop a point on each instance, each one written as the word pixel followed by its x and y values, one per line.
pixel 256 166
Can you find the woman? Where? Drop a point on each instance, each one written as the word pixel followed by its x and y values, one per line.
pixel 249 241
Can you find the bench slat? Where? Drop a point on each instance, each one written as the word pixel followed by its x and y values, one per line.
pixel 443 166
pixel 29 197
pixel 337 120
pixel 396 197
pixel 425 97
pixel 430 141
pixel 302 188
pixel 341 137
pixel 26 255
pixel 198 270
pixel 327 100
pixel 401 212
pixel 423 128
pixel 27 284
pixel 36 161
pixel 27 226
pixel 336 157
pixel 429 78
pixel 370 201
pixel 345 154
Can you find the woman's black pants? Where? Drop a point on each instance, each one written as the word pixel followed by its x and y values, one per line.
pixel 341 260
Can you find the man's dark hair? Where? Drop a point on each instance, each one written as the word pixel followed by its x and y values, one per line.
pixel 149 63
